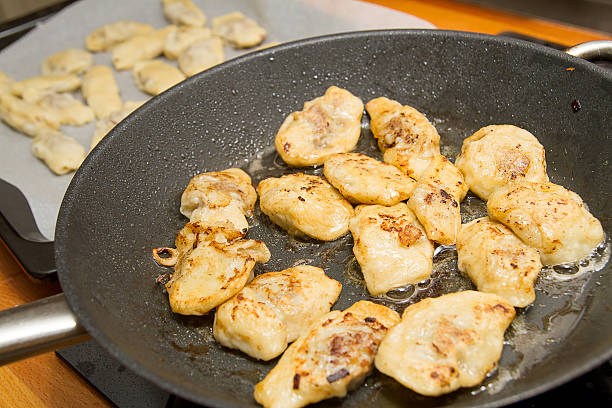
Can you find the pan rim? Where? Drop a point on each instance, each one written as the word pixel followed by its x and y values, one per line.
pixel 76 300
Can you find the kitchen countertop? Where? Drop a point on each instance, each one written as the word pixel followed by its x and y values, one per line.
pixel 46 381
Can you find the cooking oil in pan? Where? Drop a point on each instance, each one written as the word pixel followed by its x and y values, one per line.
pixel 561 291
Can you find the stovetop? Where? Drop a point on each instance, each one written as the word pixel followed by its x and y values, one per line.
pixel 127 390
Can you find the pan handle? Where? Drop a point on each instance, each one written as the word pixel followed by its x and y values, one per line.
pixel 37 327
pixel 600 49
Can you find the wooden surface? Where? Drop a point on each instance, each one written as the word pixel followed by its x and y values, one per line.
pixel 45 381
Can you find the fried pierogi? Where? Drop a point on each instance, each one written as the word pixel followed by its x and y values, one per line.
pixel 274 310
pixel 220 198
pixel 68 109
pixel 391 247
pixel 405 136
pixel 326 125
pixel 181 38
pixel 61 153
pixel 435 200
pixel 305 205
pixel 34 89
pixel 362 179
pixel 70 61
pixel 155 76
pixel 497 261
pixel 331 358
pixel 238 30
pixel 201 55
pixel 446 343
pixel 103 38
pixel 183 12
pixel 140 48
pixel 213 264
pixel 499 155
pixel 104 125
pixel 549 218
pixel 101 91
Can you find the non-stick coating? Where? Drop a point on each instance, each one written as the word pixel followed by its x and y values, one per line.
pixel 125 198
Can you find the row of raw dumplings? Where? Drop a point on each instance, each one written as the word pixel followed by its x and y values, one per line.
pixel 38 106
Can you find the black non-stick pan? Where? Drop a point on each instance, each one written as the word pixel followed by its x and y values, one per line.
pixel 125 198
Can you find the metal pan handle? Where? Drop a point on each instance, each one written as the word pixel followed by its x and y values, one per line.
pixel 600 49
pixel 37 327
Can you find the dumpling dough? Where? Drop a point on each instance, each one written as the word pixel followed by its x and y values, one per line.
pixel 446 343
pixel 220 198
pixel 499 155
pixel 362 179
pixel 140 48
pixel 391 247
pixel 155 76
pixel 333 356
pixel 101 91
pixel 201 55
pixel 274 310
pixel 101 39
pixel 497 261
pixel 184 12
pixel 104 125
pixel 435 200
pixel 61 153
pixel 70 61
pixel 181 38
pixel 238 30
pixel 34 89
pixel 68 109
pixel 25 117
pixel 213 265
pixel 305 205
pixel 405 136
pixel 549 218
pixel 326 125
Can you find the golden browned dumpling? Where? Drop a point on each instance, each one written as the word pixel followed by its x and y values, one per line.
pixel 70 61
pixel 238 30
pixel 391 247
pixel 326 125
pixel 213 264
pixel 181 38
pixel 499 155
pixel 34 89
pixel 405 136
pixel 446 343
pixel 497 261
pixel 61 153
pixel 101 91
pixel 184 12
pixel 362 179
pixel 101 39
pixel 331 358
pixel 201 55
pixel 220 198
pixel 549 218
pixel 435 200
pixel 140 48
pixel 305 205
pixel 274 310
pixel 155 76
pixel 68 109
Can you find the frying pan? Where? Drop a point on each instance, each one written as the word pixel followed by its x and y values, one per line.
pixel 124 201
